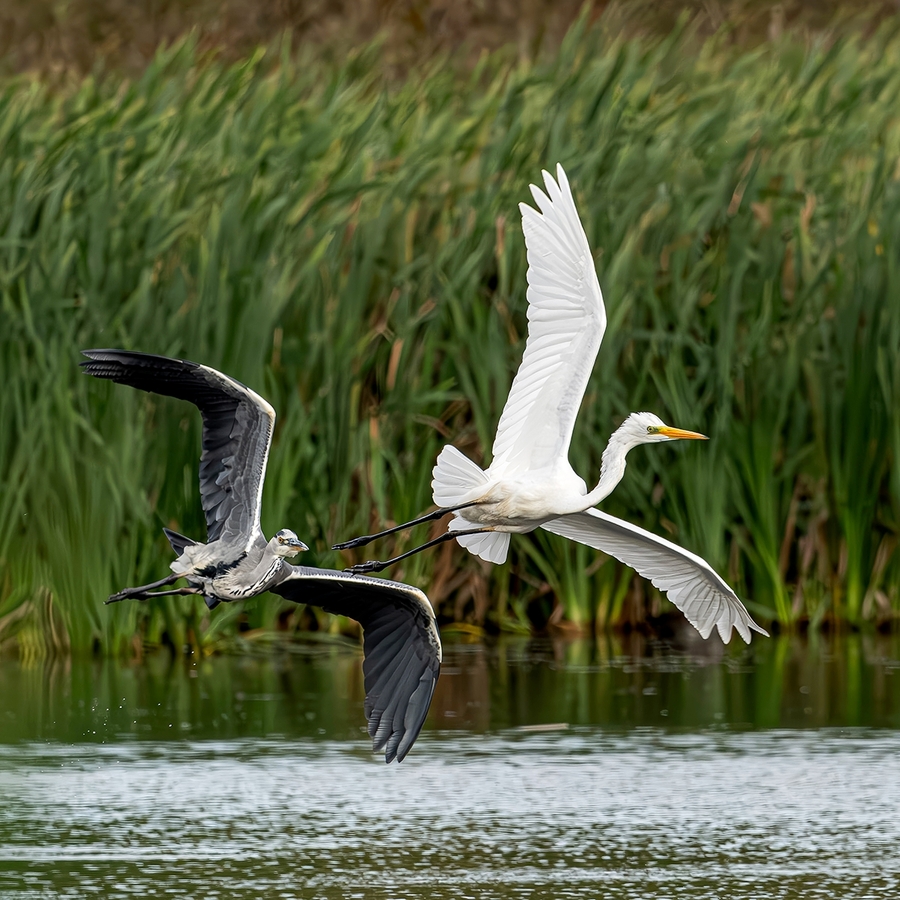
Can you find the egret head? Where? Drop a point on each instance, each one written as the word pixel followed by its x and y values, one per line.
pixel 286 543
pixel 647 428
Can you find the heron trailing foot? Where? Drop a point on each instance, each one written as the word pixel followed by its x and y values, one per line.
pixel 137 592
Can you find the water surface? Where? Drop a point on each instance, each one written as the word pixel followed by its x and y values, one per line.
pixel 589 770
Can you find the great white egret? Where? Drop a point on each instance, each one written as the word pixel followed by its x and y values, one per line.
pixel 530 483
pixel 401 642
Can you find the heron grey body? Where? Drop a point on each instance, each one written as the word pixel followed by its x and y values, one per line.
pixel 401 642
pixel 223 572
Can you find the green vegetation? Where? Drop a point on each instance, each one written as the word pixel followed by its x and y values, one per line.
pixel 351 249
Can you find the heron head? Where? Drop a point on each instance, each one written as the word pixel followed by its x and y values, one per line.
pixel 286 543
pixel 647 428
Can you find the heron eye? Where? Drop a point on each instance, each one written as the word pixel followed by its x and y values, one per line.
pixel 650 429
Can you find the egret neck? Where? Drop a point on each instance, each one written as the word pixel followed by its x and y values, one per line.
pixel 612 464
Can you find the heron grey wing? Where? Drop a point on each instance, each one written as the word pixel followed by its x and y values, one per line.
pixel 401 646
pixel 689 582
pixel 237 433
pixel 233 461
pixel 566 322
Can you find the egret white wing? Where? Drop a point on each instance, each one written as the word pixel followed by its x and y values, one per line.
pixel 689 582
pixel 401 646
pixel 566 321
pixel 237 433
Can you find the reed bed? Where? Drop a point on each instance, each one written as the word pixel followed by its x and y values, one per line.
pixel 352 249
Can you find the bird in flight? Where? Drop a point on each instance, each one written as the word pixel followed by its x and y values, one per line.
pixel 530 483
pixel 401 643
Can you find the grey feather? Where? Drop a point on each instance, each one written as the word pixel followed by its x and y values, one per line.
pixel 400 641
pixel 402 646
pixel 237 432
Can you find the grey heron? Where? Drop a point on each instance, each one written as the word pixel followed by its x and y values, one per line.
pixel 401 643
pixel 530 483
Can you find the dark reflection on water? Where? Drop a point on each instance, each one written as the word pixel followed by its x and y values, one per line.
pixel 692 771
pixel 315 690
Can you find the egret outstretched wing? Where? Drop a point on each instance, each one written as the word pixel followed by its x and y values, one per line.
pixel 401 644
pixel 237 432
pixel 688 581
pixel 530 481
pixel 566 321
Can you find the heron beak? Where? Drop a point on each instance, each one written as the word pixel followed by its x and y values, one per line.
pixel 675 434
pixel 298 546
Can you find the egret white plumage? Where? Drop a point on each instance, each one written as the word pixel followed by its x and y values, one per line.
pixel 530 483
pixel 401 643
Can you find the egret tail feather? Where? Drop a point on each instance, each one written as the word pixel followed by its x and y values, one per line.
pixel 454 478
pixel 492 546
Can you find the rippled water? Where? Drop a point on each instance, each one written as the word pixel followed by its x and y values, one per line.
pixel 569 770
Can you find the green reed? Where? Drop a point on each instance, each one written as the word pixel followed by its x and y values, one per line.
pixel 351 248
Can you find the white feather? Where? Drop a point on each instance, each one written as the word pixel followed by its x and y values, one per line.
pixel 689 582
pixel 530 482
pixel 566 321
pixel 491 546
pixel 454 477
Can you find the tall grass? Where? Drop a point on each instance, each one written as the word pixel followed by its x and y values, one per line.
pixel 352 250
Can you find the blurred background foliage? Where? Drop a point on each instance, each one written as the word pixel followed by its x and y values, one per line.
pixel 84 36
pixel 339 229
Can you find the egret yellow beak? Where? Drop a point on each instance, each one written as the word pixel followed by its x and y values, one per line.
pixel 680 434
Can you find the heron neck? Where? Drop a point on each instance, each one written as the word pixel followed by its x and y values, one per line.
pixel 612 467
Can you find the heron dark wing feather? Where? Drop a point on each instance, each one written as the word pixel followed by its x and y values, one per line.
pixel 381 631
pixel 382 671
pixel 389 680
pixel 400 641
pixel 415 713
pixel 237 431
pixel 392 742
pixel 388 650
pixel 391 730
pixel 383 714
pixel 402 717
pixel 407 684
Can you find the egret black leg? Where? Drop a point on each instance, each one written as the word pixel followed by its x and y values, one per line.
pixel 428 517
pixel 375 565
pixel 137 591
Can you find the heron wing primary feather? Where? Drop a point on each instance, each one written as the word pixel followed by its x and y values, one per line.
pixel 689 582
pixel 237 433
pixel 566 321
pixel 401 646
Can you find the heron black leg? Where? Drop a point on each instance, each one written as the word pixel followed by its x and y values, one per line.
pixel 148 595
pixel 375 565
pixel 137 591
pixel 428 517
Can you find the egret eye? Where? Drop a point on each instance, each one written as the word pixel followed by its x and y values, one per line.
pixel 650 429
